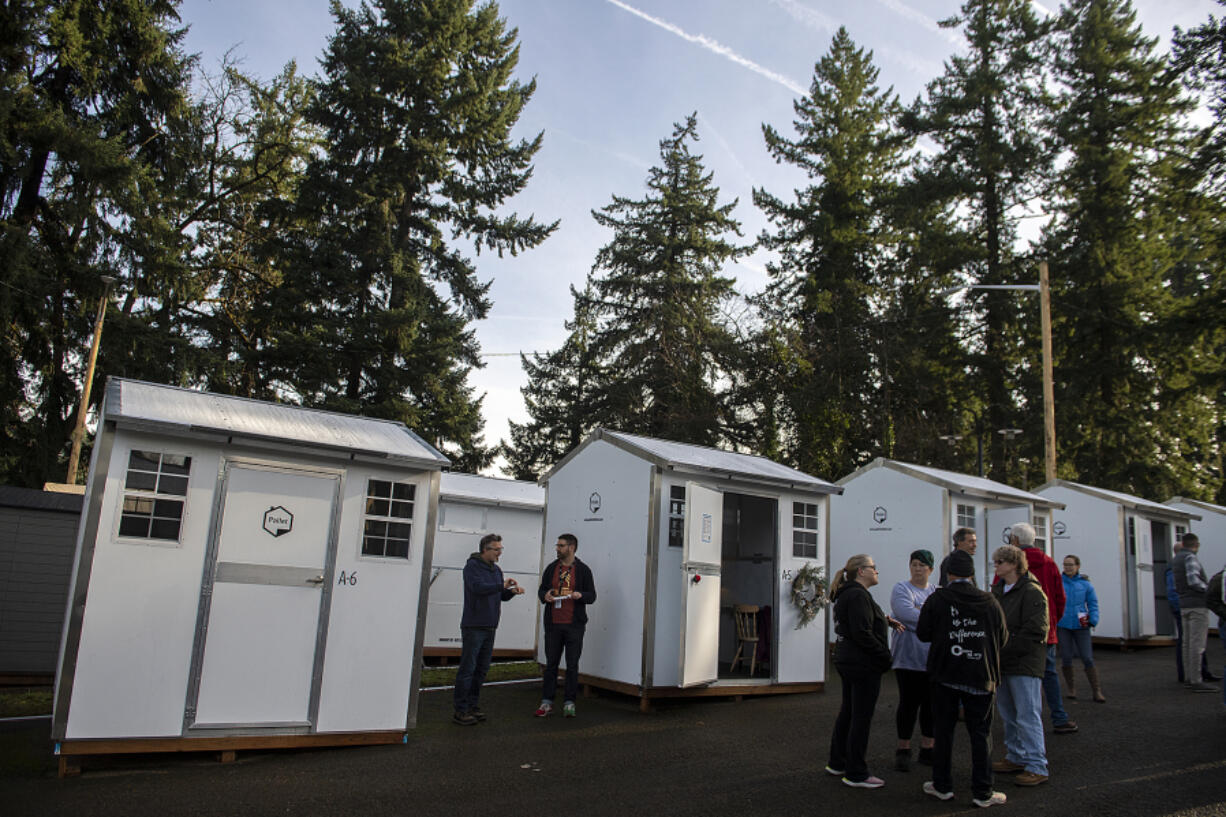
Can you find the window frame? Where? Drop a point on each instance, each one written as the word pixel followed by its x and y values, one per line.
pixel 153 495
pixel 800 512
pixel 387 520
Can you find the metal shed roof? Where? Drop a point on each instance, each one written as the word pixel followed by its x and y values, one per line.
pixel 167 409
pixel 1196 503
pixel 491 491
pixel 981 487
pixel 1127 500
pixel 685 456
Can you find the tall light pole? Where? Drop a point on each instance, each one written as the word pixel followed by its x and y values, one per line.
pixel 78 432
pixel 1049 391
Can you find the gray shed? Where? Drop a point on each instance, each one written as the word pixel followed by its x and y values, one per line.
pixel 38 533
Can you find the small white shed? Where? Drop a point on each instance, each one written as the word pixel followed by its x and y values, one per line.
pixel 1124 543
pixel 676 535
pixel 247 574
pixel 1210 529
pixel 469 507
pixel 889 509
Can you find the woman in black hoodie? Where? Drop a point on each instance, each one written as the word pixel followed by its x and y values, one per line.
pixel 862 656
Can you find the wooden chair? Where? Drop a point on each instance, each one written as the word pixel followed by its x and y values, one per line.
pixel 746 616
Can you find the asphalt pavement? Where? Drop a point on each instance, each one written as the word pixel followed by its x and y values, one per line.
pixel 1152 749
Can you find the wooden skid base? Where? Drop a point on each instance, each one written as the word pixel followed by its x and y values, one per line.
pixel 71 752
pixel 723 690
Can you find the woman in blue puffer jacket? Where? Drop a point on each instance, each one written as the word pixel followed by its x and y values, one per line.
pixel 1073 629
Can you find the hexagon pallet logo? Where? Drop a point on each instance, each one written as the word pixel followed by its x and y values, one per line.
pixel 278 521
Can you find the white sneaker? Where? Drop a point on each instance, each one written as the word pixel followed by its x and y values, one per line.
pixel 869 782
pixel 996 798
pixel 940 795
pixel 834 771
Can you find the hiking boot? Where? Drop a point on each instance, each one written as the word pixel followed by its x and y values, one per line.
pixel 996 798
pixel 1007 766
pixel 477 713
pixel 869 782
pixel 1029 779
pixel 1066 728
pixel 544 709
pixel 931 790
pixel 463 718
pixel 568 709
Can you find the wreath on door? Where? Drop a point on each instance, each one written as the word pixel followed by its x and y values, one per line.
pixel 809 592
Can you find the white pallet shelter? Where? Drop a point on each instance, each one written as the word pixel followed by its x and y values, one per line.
pixel 889 509
pixel 247 574
pixel 675 535
pixel 469 507
pixel 1124 543
pixel 1210 529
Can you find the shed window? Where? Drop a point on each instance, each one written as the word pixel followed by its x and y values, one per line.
pixel 676 516
pixel 804 530
pixel 966 516
pixel 1040 532
pixel 154 489
pixel 388 523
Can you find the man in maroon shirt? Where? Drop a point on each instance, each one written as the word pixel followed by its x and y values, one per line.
pixel 1048 573
pixel 566 590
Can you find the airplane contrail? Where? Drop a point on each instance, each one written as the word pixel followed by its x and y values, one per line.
pixel 716 48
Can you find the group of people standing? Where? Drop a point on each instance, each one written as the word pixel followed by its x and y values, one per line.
pixel 957 649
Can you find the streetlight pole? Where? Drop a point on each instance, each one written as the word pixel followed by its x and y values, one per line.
pixel 1049 392
pixel 78 432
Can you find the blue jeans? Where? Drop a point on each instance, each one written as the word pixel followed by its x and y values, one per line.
pixel 476 649
pixel 1051 689
pixel 1020 701
pixel 1075 644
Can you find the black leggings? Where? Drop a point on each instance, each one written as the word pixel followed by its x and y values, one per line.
pixel 914 696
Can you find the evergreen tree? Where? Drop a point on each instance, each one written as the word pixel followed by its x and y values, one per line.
pixel 563 397
pixel 94 108
pixel 836 246
pixel 986 116
pixel 416 107
pixel 1132 415
pixel 656 295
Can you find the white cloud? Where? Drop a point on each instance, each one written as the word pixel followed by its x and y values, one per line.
pixel 716 48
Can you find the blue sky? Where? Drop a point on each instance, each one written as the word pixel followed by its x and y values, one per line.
pixel 612 78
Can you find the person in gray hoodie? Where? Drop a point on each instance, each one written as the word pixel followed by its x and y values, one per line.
pixel 1192 585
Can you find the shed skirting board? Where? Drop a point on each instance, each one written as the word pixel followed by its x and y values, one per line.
pixel 454 652
pixel 723 689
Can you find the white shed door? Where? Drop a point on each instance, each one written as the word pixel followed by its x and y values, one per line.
pixel 700 566
pixel 263 623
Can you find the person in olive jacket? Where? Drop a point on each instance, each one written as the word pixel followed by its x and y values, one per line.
pixel 862 656
pixel 1023 660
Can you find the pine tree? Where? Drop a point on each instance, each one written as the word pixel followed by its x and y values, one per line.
pixel 1131 416
pixel 95 103
pixel 986 116
pixel 416 107
pixel 563 397
pixel 836 244
pixel 656 297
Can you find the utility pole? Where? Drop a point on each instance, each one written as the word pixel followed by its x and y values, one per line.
pixel 1049 391
pixel 78 432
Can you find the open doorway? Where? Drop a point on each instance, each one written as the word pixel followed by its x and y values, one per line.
pixel 747 570
pixel 1161 539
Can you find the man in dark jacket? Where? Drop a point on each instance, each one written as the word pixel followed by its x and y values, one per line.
pixel 1022 662
pixel 566 590
pixel 966 628
pixel 484 592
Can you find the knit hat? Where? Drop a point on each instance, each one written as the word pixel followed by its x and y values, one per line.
pixel 924 556
pixel 961 565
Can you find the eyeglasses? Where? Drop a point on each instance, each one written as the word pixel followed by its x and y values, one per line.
pixel 869 567
pixel 1001 562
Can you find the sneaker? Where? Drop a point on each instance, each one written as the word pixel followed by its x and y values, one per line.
pixel 869 782
pixel 836 772
pixel 931 790
pixel 1029 779
pixel 544 709
pixel 477 713
pixel 568 709
pixel 1066 728
pixel 996 798
pixel 1200 686
pixel 1007 766
pixel 463 718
